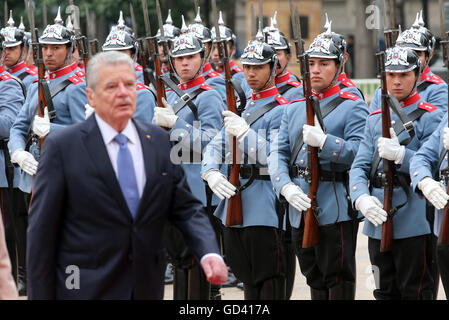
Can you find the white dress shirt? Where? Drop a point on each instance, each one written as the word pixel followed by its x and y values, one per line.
pixel 108 133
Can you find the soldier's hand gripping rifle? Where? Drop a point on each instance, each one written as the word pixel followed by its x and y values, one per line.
pixel 388 166
pixel 443 237
pixel 310 237
pixel 234 211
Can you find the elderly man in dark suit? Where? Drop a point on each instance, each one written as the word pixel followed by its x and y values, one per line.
pixel 103 191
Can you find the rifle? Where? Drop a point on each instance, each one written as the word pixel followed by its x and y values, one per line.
pixel 81 41
pixel 443 237
pixel 310 237
pixel 39 61
pixel 154 52
pixel 234 211
pixel 392 33
pixel 388 166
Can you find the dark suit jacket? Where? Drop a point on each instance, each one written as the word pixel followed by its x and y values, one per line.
pixel 79 217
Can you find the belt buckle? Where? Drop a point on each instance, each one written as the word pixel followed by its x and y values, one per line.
pixel 185 97
pixel 408 126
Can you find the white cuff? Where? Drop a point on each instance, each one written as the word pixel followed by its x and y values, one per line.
pixel 400 155
pixel 211 255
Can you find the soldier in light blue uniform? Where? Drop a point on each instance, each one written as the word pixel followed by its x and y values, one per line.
pixel 402 272
pixel 170 33
pixel 254 249
pixel 14 42
pixel 329 267
pixel 14 212
pixel 69 101
pixel 429 163
pixel 431 87
pixel 121 40
pixel 193 115
pixel 229 36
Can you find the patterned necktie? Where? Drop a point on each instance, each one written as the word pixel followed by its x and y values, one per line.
pixel 126 174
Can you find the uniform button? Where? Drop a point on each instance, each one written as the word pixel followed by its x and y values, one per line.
pixel 182 134
pixel 248 114
pixel 301 161
pixel 260 140
pixel 303 149
pixel 415 173
pixel 354 188
pixel 277 179
pixel 337 141
pixel 188 125
pixel 251 103
pixel 393 122
pixel 251 149
pixel 334 154
pixel 258 96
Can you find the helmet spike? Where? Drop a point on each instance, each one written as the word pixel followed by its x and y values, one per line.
pixel 184 28
pixel 220 19
pixel 274 20
pixel 121 21
pixel 58 19
pixel 169 19
pixel 21 26
pixel 328 32
pixel 327 23
pixel 416 23
pixel 198 17
pixel 420 20
pixel 11 20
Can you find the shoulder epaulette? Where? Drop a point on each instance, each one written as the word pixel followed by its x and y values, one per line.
pixel 434 79
pixel 427 106
pixel 80 73
pixel 281 99
pixel 31 71
pixel 6 77
pixel 75 79
pixel 294 83
pixel 347 82
pixel 206 87
pixel 376 112
pixel 213 74
pixel 237 69
pixel 138 67
pixel 349 95
pixel 140 86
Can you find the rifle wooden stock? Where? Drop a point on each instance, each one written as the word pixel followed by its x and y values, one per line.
pixel 143 60
pixel 310 237
pixel 386 242
pixel 234 214
pixel 39 61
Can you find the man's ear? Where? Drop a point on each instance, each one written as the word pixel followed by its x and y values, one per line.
pixel 90 97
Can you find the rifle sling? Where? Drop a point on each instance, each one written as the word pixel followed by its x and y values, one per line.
pixel 238 88
pixel 185 97
pixel 423 86
pixel 22 85
pixel 327 109
pixel 260 112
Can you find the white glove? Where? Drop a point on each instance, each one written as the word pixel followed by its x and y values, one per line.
pixel 314 136
pixel 371 208
pixel 235 125
pixel 25 160
pixel 41 126
pixel 446 138
pixel 89 110
pixel 219 184
pixel 296 197
pixel 165 117
pixel 390 149
pixel 434 192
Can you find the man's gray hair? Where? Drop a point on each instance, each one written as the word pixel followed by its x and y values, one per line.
pixel 104 59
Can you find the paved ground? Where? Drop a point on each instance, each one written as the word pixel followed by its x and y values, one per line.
pixel 365 280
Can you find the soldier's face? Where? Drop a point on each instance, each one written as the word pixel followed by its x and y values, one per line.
pixel 12 55
pixel 422 57
pixel 114 97
pixel 257 76
pixel 215 57
pixel 284 59
pixel 187 67
pixel 54 56
pixel 322 72
pixel 400 84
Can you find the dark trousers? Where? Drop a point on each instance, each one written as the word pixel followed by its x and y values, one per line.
pixel 257 257
pixel 14 207
pixel 332 260
pixel 402 273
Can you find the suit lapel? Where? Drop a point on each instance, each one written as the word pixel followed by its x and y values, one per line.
pixel 100 157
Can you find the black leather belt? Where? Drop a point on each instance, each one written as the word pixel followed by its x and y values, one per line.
pixel 378 181
pixel 245 173
pixel 296 171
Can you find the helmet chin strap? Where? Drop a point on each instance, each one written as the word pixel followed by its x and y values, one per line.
pixel 273 71
pixel 200 70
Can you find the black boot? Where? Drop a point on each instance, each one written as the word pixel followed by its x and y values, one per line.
pixel 316 294
pixel 273 289
pixel 344 290
pixel 250 292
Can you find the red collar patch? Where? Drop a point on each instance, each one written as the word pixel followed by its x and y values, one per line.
pixel 140 86
pixel 207 67
pixel 327 93
pixel 6 77
pixel 195 82
pixel 62 72
pixel 17 67
pixel 348 95
pixel 410 100
pixel 282 78
pixel 265 94
pixel 138 67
